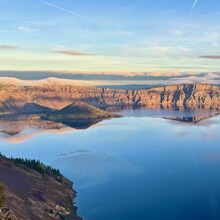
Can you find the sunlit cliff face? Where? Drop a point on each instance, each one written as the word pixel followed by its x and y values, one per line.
pixel 50 96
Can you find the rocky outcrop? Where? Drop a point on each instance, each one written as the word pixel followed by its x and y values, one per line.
pixel 13 99
pixel 7 214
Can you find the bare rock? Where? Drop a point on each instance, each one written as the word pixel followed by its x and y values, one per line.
pixel 7 214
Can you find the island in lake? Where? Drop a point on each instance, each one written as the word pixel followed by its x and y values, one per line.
pixel 54 106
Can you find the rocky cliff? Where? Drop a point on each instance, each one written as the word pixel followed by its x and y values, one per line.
pixel 35 191
pixel 38 98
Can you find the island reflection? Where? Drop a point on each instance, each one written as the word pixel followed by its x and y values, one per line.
pixel 20 128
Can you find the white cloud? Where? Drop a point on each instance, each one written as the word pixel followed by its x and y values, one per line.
pixel 209 78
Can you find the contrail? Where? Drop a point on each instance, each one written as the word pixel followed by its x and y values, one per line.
pixel 68 11
pixel 194 5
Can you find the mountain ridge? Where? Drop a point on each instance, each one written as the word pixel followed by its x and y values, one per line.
pixel 57 96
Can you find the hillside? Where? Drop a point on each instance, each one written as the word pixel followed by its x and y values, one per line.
pixel 77 111
pixel 18 99
pixel 35 191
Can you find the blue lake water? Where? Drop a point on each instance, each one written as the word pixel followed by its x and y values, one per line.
pixel 139 167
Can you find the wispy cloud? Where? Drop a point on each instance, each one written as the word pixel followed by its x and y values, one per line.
pixel 210 57
pixel 184 49
pixel 73 53
pixel 69 11
pixel 28 29
pixel 162 49
pixel 177 32
pixel 8 47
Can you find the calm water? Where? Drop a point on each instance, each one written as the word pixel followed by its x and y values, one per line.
pixel 140 167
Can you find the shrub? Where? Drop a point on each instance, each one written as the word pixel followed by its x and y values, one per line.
pixel 3 198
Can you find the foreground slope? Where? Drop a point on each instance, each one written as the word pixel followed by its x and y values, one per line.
pixel 29 99
pixel 36 192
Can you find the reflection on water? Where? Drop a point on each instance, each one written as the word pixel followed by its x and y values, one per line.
pixel 161 113
pixel 94 168
pixel 20 128
pixel 13 126
pixel 82 125
pixel 141 166
pixel 16 129
pixel 195 119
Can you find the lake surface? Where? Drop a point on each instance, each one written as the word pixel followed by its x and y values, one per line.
pixel 148 165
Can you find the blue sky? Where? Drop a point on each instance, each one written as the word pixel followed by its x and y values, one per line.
pixel 112 36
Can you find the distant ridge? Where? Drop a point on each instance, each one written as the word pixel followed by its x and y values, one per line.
pixel 50 80
pixel 56 94
pixel 78 82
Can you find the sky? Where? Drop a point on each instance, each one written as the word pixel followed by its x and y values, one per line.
pixel 110 36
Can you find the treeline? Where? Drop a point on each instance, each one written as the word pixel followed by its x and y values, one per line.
pixel 37 166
